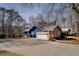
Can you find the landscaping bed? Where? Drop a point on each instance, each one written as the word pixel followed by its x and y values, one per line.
pixel 2 35
pixel 69 41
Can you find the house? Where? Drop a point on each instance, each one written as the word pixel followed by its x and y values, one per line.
pixel 55 31
pixel 26 32
pixel 66 31
pixel 50 32
pixel 43 35
pixel 31 32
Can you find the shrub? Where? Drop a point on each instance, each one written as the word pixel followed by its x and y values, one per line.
pixel 51 38
pixel 2 35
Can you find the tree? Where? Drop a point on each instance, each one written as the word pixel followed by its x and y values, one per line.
pixel 48 12
pixel 10 21
pixel 75 10
pixel 3 10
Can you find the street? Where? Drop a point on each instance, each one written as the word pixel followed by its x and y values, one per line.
pixel 31 47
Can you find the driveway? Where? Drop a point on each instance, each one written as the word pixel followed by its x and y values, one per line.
pixel 32 47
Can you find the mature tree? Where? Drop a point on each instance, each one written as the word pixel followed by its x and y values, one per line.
pixel 3 10
pixel 75 9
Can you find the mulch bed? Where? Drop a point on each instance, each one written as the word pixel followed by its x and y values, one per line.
pixel 69 41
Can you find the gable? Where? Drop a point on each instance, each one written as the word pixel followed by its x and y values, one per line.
pixel 35 29
pixel 57 29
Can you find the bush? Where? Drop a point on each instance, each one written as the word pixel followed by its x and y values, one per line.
pixel 2 35
pixel 51 38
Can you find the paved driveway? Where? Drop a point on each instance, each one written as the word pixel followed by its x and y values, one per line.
pixel 33 47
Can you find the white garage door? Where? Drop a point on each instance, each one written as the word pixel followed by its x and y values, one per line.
pixel 42 35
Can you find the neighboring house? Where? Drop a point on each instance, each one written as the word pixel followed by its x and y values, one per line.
pixel 54 31
pixel 57 32
pixel 66 31
pixel 32 31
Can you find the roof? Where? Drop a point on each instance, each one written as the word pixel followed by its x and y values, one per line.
pixel 50 28
pixel 28 29
pixel 65 29
pixel 41 29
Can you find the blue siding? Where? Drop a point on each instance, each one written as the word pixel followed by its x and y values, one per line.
pixel 32 31
pixel 26 33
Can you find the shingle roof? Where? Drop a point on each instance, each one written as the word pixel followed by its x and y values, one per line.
pixel 28 29
pixel 65 29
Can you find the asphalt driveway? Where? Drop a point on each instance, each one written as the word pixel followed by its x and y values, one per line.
pixel 33 47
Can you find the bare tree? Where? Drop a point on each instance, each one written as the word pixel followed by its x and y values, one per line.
pixel 75 9
pixel 2 18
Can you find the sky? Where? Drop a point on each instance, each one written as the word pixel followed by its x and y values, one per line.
pixel 26 10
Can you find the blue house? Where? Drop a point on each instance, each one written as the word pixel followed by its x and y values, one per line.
pixel 32 31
